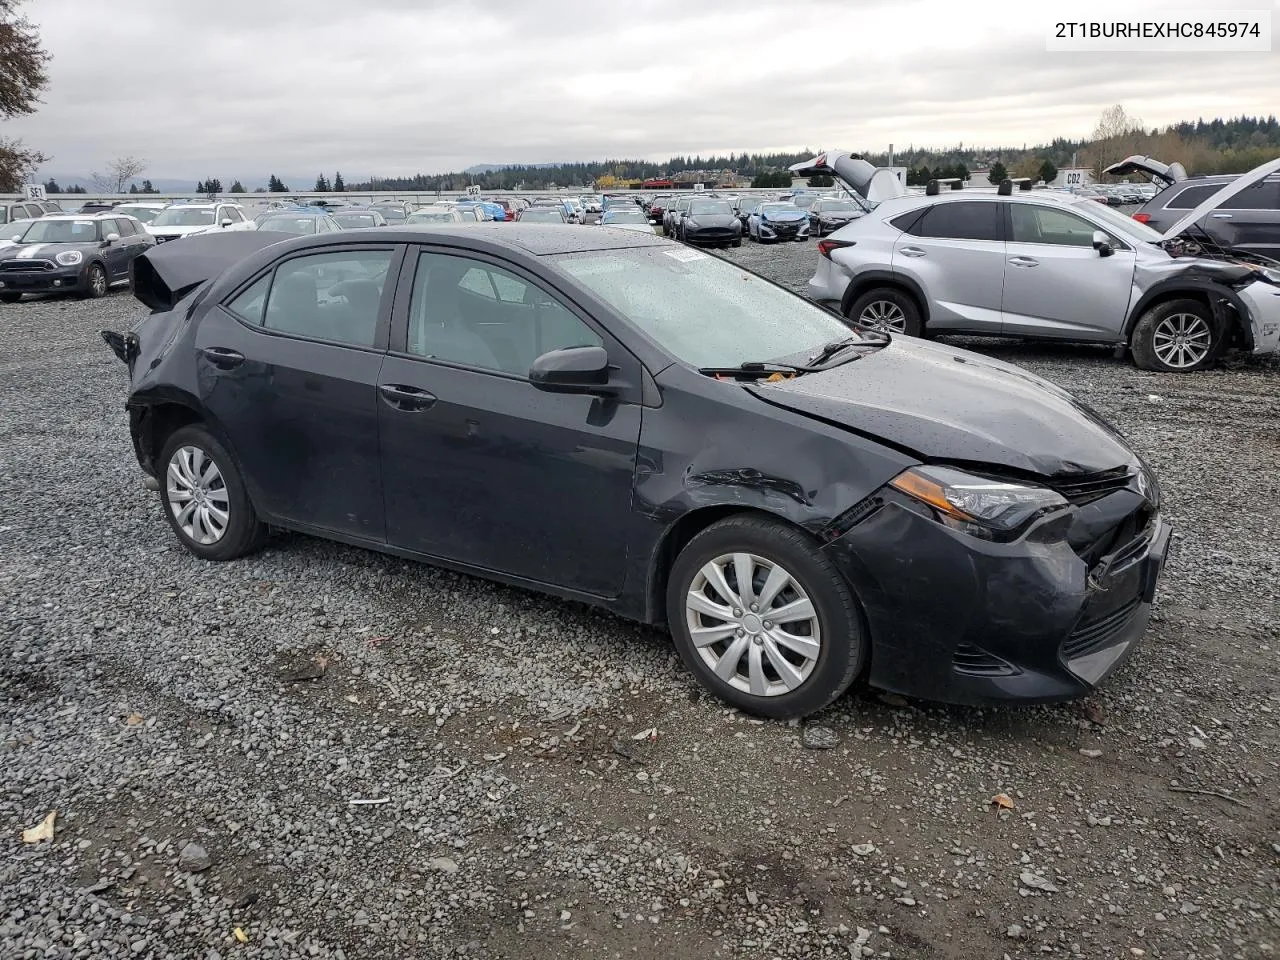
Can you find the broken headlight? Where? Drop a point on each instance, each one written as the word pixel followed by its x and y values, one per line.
pixel 981 506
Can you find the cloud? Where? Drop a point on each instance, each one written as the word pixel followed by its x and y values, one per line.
pixel 387 87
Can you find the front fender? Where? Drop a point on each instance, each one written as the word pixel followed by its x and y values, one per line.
pixel 1196 287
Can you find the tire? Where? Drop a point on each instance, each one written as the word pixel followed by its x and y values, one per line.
pixel 833 617
pixel 242 532
pixel 95 282
pixel 899 310
pixel 10 297
pixel 1177 336
pixel 737 243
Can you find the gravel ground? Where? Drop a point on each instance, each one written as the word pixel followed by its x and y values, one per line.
pixel 546 781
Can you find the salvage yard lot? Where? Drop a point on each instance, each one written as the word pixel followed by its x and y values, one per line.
pixel 554 785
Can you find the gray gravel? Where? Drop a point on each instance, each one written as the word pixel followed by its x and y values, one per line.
pixel 378 759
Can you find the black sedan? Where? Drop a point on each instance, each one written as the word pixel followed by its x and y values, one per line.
pixel 827 216
pixel 622 420
pixel 710 222
pixel 70 253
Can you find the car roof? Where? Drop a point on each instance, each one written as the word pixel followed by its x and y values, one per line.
pixel 96 215
pixel 1057 198
pixel 299 212
pixel 539 239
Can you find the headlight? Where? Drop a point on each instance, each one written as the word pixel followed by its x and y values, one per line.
pixel 69 258
pixel 978 505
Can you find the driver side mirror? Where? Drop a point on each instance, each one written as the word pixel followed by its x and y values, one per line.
pixel 225 222
pixel 1102 243
pixel 572 370
pixel 112 237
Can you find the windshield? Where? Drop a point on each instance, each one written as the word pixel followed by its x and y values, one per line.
pixel 180 217
pixel 803 201
pixel 710 208
pixel 356 219
pixel 145 214
pixel 1126 226
pixel 624 216
pixel 61 231
pixel 703 310
pixel 280 224
pixel 394 213
pixel 541 215
pixel 432 216
pixel 840 206
pixel 774 209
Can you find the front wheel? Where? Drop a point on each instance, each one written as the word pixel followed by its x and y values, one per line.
pixel 96 282
pixel 204 497
pixel 763 619
pixel 1178 336
pixel 737 242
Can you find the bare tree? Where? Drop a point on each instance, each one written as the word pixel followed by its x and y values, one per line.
pixel 1116 136
pixel 119 172
pixel 22 77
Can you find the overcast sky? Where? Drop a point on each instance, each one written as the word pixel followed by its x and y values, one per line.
pixel 388 87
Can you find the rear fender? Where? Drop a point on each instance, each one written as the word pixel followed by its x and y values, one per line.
pixel 884 278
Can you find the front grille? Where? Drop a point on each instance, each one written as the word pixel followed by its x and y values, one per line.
pixel 1092 636
pixel 784 229
pixel 978 663
pixel 26 265
pixel 164 239
pixel 1093 486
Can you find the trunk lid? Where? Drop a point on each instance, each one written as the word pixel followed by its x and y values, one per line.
pixel 1166 174
pixel 870 182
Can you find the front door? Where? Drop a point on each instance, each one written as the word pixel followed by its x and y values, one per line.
pixel 289 369
pixel 1056 284
pixel 482 468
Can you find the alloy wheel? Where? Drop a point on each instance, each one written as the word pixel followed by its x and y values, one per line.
pixel 883 315
pixel 753 624
pixel 1182 340
pixel 197 494
pixel 98 280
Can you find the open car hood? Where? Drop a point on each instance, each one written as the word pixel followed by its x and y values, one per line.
pixel 1238 185
pixel 1164 173
pixel 165 274
pixel 948 405
pixel 867 181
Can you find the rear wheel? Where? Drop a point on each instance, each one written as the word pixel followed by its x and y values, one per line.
pixel 204 497
pixel 887 308
pixel 1178 336
pixel 763 619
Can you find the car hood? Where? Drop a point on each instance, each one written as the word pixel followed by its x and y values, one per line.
pixel 785 216
pixel 177 231
pixel 947 405
pixel 165 274
pixel 838 214
pixel 712 219
pixel 32 251
pixel 1229 190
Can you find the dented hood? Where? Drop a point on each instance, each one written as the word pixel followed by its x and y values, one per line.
pixel 165 274
pixel 948 405
pixel 870 182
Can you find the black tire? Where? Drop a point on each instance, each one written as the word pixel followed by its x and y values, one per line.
pixel 10 297
pixel 843 646
pixel 737 242
pixel 95 281
pixel 913 323
pixel 1155 322
pixel 243 532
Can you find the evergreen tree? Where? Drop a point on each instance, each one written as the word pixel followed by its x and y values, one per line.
pixel 147 187
pixel 1048 172
pixel 338 185
pixel 322 185
pixel 237 187
pixel 51 186
pixel 133 188
pixel 998 173
pixel 821 180
pixel 276 185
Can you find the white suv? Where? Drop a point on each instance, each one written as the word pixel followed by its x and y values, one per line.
pixel 186 219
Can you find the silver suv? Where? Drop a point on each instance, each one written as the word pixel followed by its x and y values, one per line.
pixel 1047 265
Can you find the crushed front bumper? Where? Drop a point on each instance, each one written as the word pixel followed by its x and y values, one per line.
pixel 1263 301
pixel 957 619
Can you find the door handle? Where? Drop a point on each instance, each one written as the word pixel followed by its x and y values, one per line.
pixel 222 357
pixel 403 397
pixel 911 252
pixel 1024 261
pixel 1220 216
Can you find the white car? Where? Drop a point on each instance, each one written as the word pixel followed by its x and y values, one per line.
pixel 143 210
pixel 627 220
pixel 592 204
pixel 187 219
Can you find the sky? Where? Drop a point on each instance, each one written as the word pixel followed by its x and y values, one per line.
pixel 395 87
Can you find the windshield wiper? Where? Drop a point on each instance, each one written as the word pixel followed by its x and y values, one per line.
pixel 838 346
pixel 752 370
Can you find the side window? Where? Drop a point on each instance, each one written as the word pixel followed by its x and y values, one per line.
pixel 1261 196
pixel 235 214
pixel 329 296
pixel 963 220
pixel 1192 197
pixel 479 315
pixel 1036 224
pixel 907 222
pixel 124 227
pixel 249 305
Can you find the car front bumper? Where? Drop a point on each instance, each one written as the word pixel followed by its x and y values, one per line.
pixel 1263 301
pixel 957 619
pixel 784 231
pixel 59 280
pixel 711 234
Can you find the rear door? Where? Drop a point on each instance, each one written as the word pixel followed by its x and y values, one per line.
pixel 288 366
pixel 955 251
pixel 1055 283
pixel 117 254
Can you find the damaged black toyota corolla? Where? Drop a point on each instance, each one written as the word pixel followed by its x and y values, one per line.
pixel 622 420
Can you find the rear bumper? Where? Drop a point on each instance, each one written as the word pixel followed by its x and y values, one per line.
pixel 828 283
pixel 961 620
